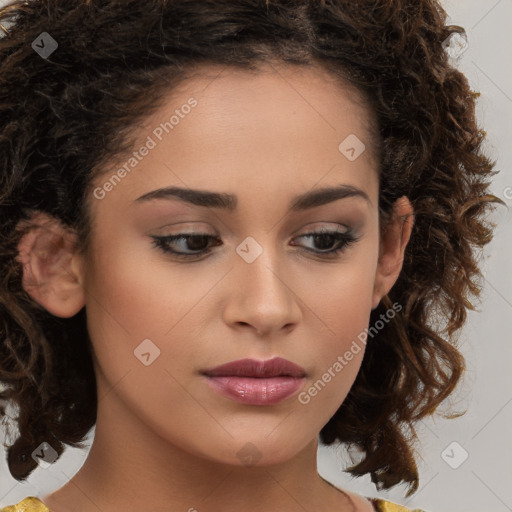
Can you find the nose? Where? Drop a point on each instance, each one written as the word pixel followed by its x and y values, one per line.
pixel 261 296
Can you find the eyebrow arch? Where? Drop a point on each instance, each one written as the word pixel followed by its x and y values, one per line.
pixel 228 202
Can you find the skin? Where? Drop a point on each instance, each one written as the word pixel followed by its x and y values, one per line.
pixel 164 440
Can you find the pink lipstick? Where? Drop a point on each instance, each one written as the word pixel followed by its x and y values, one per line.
pixel 253 382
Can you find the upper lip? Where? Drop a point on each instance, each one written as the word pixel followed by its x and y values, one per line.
pixel 276 367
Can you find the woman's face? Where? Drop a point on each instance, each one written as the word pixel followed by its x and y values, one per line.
pixel 253 145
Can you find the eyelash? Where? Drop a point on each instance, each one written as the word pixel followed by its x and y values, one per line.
pixel 163 242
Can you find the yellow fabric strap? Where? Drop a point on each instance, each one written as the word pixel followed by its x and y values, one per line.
pixel 29 504
pixel 388 506
pixel 32 504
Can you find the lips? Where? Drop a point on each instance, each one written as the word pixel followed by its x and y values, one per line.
pixel 253 382
pixel 277 367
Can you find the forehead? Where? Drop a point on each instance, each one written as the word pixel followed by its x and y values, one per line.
pixel 273 93
pixel 274 127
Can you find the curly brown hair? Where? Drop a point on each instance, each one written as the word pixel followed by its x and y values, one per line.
pixel 62 117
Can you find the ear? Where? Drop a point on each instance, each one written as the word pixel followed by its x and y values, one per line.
pixel 52 267
pixel 392 248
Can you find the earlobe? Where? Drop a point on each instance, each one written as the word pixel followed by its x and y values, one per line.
pixel 392 249
pixel 52 267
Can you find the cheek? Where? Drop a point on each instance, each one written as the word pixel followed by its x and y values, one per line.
pixel 137 296
pixel 345 298
pixel 128 290
pixel 344 305
pixel 122 309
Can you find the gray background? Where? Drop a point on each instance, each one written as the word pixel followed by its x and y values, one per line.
pixel 483 482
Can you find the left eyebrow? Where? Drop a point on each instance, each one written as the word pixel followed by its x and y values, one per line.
pixel 228 202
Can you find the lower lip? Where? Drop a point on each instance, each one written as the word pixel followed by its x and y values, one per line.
pixel 254 391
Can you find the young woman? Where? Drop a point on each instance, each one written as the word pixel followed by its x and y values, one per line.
pixel 230 229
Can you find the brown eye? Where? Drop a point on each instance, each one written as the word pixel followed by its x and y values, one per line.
pixel 197 242
pixel 326 239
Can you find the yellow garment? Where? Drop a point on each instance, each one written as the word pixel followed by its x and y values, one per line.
pixel 29 504
pixel 386 506
pixel 32 504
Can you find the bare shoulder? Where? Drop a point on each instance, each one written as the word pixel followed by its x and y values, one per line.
pixel 362 504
